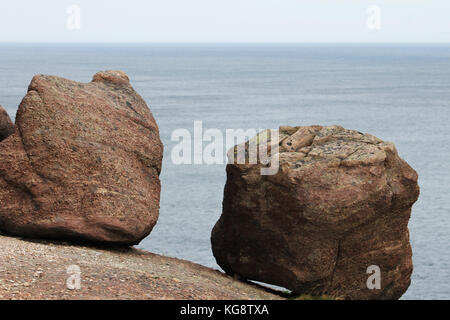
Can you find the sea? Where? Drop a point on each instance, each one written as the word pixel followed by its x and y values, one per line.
pixel 400 93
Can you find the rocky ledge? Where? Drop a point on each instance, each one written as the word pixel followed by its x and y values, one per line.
pixel 35 269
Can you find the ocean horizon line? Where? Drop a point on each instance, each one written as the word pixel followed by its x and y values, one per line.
pixel 225 43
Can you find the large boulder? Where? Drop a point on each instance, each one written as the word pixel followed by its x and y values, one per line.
pixel 338 206
pixel 83 162
pixel 6 125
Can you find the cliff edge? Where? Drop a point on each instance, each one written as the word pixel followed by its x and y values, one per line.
pixel 37 269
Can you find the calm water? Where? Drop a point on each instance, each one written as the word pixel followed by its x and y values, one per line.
pixel 398 93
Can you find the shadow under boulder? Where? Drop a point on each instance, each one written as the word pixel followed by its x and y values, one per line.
pixel 6 125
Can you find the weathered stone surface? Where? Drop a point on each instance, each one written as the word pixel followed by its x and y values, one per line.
pixel 83 162
pixel 6 125
pixel 339 203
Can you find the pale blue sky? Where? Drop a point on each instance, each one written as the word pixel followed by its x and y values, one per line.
pixel 224 21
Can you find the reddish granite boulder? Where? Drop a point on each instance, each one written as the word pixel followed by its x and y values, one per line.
pixel 6 125
pixel 339 203
pixel 83 163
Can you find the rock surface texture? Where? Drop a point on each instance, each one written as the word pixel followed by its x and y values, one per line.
pixel 83 162
pixel 340 203
pixel 35 270
pixel 6 125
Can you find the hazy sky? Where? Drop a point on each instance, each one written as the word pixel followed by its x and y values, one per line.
pixel 224 21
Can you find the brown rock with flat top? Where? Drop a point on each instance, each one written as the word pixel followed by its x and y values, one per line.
pixel 6 125
pixel 83 162
pixel 340 203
